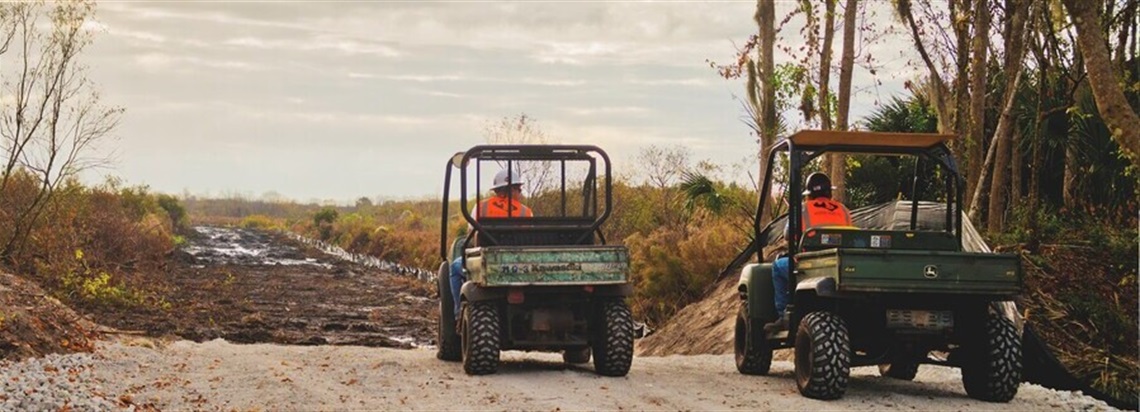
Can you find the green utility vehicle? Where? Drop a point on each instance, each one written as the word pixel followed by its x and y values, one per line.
pixel 894 294
pixel 547 282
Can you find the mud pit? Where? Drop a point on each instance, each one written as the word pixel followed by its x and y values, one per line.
pixel 250 286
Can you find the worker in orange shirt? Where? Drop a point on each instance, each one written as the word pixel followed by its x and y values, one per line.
pixel 818 210
pixel 507 202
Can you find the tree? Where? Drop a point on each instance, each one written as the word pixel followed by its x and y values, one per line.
pixel 523 129
pixel 846 67
pixel 1003 136
pixel 766 20
pixel 1110 101
pixel 663 166
pixel 825 64
pixel 976 128
pixel 56 117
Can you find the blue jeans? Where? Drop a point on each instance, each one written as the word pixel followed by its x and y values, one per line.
pixel 457 279
pixel 780 284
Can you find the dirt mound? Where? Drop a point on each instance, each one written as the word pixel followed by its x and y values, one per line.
pixel 34 324
pixel 1083 303
pixel 704 327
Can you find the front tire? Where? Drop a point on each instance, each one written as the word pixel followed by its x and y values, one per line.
pixel 613 342
pixel 480 338
pixel 449 346
pixel 823 356
pixel 753 354
pixel 992 368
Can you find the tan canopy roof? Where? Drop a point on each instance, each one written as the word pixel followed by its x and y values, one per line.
pixel 831 137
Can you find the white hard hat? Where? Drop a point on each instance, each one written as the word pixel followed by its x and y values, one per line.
pixel 501 179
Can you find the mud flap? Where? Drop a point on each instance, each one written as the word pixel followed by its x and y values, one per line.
pixel 757 279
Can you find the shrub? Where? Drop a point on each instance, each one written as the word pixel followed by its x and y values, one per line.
pixel 259 222
pixel 175 211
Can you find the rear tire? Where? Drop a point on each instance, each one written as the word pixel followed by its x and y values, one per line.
pixel 753 354
pixel 449 346
pixel 613 342
pixel 823 356
pixel 480 338
pixel 576 356
pixel 992 368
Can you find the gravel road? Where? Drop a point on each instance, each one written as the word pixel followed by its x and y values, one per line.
pixel 217 375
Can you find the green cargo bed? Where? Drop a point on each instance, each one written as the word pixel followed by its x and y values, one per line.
pixel 912 271
pixel 548 265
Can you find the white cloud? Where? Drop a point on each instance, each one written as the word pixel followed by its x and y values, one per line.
pixel 617 110
pixel 423 78
pixel 549 82
pixel 129 34
pixel 437 93
pixel 154 61
pixel 691 81
pixel 335 43
pixel 435 78
pixel 162 61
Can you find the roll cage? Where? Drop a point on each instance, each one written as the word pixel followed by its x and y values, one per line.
pixel 805 146
pixel 542 230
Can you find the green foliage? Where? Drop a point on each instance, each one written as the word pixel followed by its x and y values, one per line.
pixel 873 179
pixel 913 114
pixel 323 220
pixel 672 267
pixel 95 286
pixel 175 211
pixel 259 222
pixel 326 215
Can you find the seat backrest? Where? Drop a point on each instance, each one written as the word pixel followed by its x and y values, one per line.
pixel 536 232
pixel 829 238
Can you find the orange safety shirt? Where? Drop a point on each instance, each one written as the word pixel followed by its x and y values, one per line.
pixel 500 206
pixel 823 212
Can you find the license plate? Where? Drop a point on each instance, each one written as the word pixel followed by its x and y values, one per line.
pixel 920 319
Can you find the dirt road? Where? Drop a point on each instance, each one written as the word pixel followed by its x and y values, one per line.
pixel 217 375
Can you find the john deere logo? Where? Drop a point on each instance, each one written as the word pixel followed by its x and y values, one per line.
pixel 930 271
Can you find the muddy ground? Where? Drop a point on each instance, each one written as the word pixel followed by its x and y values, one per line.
pixel 248 286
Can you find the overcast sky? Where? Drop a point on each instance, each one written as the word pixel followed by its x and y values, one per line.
pixel 318 100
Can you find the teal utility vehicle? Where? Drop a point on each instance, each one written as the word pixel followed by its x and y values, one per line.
pixel 546 282
pixel 897 291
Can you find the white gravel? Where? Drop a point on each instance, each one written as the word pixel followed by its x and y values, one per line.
pixel 217 375
pixel 53 383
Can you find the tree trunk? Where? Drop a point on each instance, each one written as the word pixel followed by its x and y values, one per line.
pixel 939 94
pixel 1037 155
pixel 825 73
pixel 1069 182
pixel 958 11
pixel 1118 115
pixel 766 20
pixel 1016 164
pixel 825 65
pixel 846 67
pixel 1128 16
pixel 1005 123
pixel 977 123
pixel 1015 47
